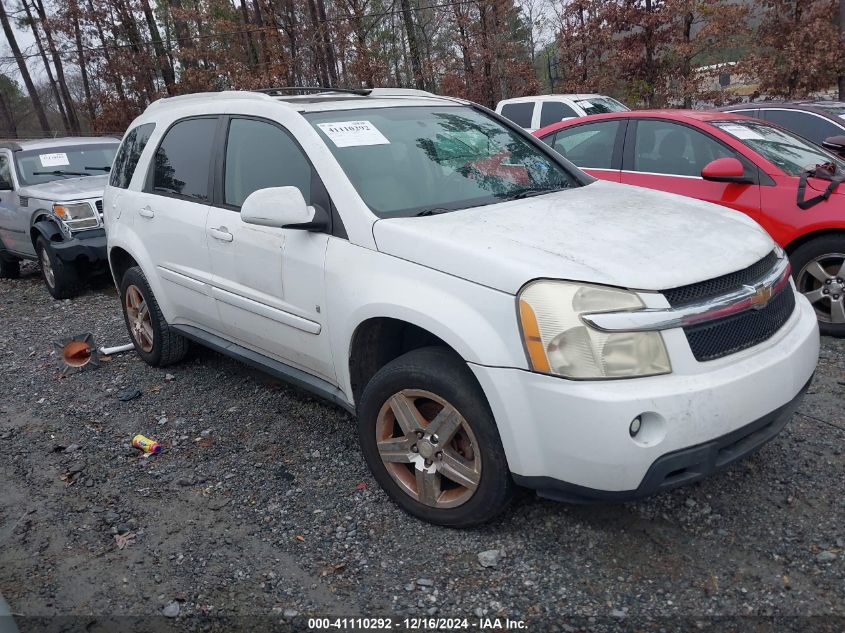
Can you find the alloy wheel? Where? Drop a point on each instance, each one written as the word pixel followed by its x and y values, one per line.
pixel 822 281
pixel 428 448
pixel 47 269
pixel 140 321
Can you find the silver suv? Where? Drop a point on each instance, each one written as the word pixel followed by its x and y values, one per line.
pixel 51 208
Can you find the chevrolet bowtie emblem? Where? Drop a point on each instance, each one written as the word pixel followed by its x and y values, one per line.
pixel 761 297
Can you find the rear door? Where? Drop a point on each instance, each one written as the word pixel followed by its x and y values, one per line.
pixel 594 147
pixel 169 216
pixel 521 113
pixel 269 282
pixel 669 156
pixel 555 112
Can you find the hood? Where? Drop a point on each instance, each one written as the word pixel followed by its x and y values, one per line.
pixel 603 233
pixel 68 188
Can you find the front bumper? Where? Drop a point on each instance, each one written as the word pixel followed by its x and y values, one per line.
pixel 571 440
pixel 87 245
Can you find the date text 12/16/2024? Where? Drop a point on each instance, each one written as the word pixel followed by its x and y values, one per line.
pixel 417 624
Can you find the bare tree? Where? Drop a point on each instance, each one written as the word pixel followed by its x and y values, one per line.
pixel 27 79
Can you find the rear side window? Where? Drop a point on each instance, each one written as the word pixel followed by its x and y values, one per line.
pixel 554 112
pixel 182 160
pixel 663 147
pixel 261 155
pixel 129 154
pixel 811 127
pixel 519 113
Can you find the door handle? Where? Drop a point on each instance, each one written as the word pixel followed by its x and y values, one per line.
pixel 146 212
pixel 221 233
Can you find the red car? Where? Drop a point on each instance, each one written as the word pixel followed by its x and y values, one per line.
pixel 746 164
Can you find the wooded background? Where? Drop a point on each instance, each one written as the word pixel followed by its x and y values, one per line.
pixel 98 63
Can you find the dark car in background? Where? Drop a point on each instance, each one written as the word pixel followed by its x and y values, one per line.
pixel 816 121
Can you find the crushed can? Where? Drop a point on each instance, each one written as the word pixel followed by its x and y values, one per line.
pixel 146 444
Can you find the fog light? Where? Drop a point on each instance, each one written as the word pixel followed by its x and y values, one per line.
pixel 635 426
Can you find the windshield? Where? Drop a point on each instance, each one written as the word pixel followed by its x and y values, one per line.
pixel 789 152
pixel 601 105
pixel 431 159
pixel 52 163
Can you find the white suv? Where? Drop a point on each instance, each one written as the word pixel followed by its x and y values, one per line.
pixel 491 314
pixel 533 113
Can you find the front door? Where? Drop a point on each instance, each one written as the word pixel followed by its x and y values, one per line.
pixel 594 147
pixel 14 221
pixel 269 282
pixel 669 156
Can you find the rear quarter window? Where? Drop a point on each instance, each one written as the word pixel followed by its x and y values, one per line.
pixel 519 113
pixel 128 155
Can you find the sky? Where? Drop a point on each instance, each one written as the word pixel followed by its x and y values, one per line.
pixel 26 42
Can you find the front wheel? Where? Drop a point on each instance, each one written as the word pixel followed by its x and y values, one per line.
pixel 819 269
pixel 155 341
pixel 430 440
pixel 60 277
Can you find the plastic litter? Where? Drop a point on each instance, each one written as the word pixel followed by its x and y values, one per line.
pixel 146 444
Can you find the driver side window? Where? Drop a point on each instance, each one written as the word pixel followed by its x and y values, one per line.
pixel 261 155
pixel 662 147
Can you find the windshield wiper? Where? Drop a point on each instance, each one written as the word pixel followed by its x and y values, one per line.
pixel 60 172
pixel 106 168
pixel 528 192
pixel 434 211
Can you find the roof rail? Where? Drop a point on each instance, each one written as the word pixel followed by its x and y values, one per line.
pixel 283 90
pixel 223 94
pixel 400 92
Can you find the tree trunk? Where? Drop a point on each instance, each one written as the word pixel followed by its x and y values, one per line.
pixel 183 35
pixel 30 87
pixel 486 56
pixel 11 129
pixel 162 60
pixel 841 47
pixel 464 44
pixel 83 68
pixel 115 79
pixel 413 44
pixel 250 44
pixel 686 65
pixel 53 85
pixel 60 72
pixel 331 62
pixel 263 58
pixel 317 45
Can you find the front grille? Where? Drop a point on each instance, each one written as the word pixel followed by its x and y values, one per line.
pixel 737 332
pixel 720 285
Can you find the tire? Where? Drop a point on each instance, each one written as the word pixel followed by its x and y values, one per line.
pixel 435 381
pixel 818 268
pixel 155 341
pixel 61 278
pixel 9 268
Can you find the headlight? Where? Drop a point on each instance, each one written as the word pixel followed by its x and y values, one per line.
pixel 77 215
pixel 559 342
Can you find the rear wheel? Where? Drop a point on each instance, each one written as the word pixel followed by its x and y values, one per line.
pixel 60 277
pixel 430 439
pixel 819 269
pixel 155 341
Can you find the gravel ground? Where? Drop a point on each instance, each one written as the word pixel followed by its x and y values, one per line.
pixel 260 511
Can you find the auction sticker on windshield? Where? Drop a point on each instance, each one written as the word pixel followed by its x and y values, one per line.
pixel 58 159
pixel 353 133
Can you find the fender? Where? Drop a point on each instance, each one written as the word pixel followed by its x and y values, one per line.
pixel 48 229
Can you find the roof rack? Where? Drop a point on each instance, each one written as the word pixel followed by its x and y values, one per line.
pixel 363 92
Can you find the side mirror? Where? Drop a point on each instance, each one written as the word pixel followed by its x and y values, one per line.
pixel 284 208
pixel 5 185
pixel 725 170
pixel 835 144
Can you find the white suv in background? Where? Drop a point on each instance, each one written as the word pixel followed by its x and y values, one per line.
pixel 491 314
pixel 532 113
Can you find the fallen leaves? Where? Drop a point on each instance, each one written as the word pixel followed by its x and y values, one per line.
pixel 124 540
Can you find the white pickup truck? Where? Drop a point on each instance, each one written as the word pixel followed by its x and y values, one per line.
pixel 51 194
pixel 491 314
